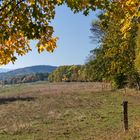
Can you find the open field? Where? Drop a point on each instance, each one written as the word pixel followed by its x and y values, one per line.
pixel 66 111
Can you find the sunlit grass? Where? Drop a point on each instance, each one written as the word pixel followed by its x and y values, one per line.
pixel 66 111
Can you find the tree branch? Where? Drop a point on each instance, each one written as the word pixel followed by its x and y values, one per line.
pixel 5 5
pixel 11 9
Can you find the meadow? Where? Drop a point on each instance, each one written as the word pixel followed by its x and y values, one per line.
pixel 67 111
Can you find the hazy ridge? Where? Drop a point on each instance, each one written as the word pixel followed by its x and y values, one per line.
pixel 5 73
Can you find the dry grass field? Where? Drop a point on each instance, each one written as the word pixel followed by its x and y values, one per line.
pixel 67 111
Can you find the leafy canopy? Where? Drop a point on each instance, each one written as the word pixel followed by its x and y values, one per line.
pixel 25 20
pixel 118 55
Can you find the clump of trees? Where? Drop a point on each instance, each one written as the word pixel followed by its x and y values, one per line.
pixel 71 73
pixel 117 57
pixel 25 78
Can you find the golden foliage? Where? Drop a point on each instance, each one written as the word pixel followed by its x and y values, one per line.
pixel 24 20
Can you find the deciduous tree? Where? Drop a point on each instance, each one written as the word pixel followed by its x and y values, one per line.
pixel 25 20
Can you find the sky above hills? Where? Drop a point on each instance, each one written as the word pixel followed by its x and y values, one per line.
pixel 74 43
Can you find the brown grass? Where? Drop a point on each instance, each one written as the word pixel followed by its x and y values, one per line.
pixel 66 111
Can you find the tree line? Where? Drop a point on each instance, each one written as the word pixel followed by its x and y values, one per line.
pixel 27 78
pixel 116 59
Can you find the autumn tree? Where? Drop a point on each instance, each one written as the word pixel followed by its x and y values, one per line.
pixel 115 58
pixel 119 44
pixel 71 73
pixel 25 20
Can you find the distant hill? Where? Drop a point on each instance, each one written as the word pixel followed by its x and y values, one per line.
pixel 28 70
pixel 2 70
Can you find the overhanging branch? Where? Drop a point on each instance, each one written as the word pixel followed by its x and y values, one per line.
pixel 5 6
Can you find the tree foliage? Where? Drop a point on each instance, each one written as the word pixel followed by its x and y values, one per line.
pixel 137 60
pixel 73 73
pixel 26 78
pixel 115 59
pixel 25 20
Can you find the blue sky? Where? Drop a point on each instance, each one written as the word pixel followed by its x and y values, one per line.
pixel 74 43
